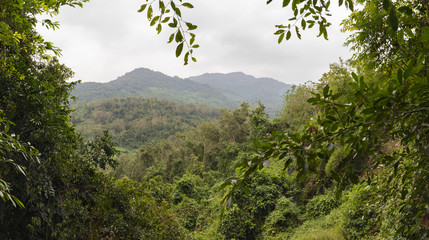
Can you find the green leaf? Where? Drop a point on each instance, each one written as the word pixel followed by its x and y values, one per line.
pixel 313 100
pixel 350 3
pixel 185 59
pixel 171 38
pixel 188 5
pixel 154 20
pixel 406 10
pixel 386 4
pixel 278 32
pixel 325 34
pixel 179 49
pixel 297 32
pixel 179 37
pixel 149 13
pixel 393 19
pixel 177 11
pixel 173 24
pixel 161 6
pixel 165 19
pixel 303 24
pixel 20 204
pixel 326 91
pixel 285 3
pixel 159 28
pixel 355 77
pixel 191 26
pixel 192 40
pixel 142 8
pixel 399 76
pixel 281 37
pixel 288 35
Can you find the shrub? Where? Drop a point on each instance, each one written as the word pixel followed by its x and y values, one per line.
pixel 321 205
pixel 285 216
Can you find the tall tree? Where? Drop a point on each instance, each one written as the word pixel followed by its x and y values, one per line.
pixel 62 193
pixel 34 97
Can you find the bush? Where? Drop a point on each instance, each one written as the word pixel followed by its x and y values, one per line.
pixel 284 218
pixel 359 218
pixel 321 205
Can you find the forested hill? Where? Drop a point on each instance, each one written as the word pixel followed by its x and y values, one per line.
pixel 146 83
pixel 240 87
pixel 134 121
pixel 214 90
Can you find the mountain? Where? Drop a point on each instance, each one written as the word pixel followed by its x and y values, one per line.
pixel 240 87
pixel 211 89
pixel 146 83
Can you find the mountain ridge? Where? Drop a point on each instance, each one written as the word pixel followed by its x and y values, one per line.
pixel 239 86
pixel 219 90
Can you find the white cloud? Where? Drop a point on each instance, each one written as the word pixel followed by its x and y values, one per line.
pixel 108 38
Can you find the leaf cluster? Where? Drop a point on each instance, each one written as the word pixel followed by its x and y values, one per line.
pixel 169 13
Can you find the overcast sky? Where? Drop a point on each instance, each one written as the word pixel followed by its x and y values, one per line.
pixel 108 38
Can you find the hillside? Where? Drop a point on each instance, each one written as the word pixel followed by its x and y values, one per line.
pixel 146 83
pixel 214 90
pixel 134 121
pixel 240 87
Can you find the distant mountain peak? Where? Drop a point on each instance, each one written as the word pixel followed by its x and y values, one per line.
pixel 242 87
pixel 141 72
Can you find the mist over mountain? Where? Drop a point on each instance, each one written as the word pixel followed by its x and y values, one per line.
pixel 211 89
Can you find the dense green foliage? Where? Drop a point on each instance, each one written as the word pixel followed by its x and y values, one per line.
pixel 353 165
pixel 373 128
pixel 135 121
pixel 211 146
pixel 10 149
pixel 46 168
